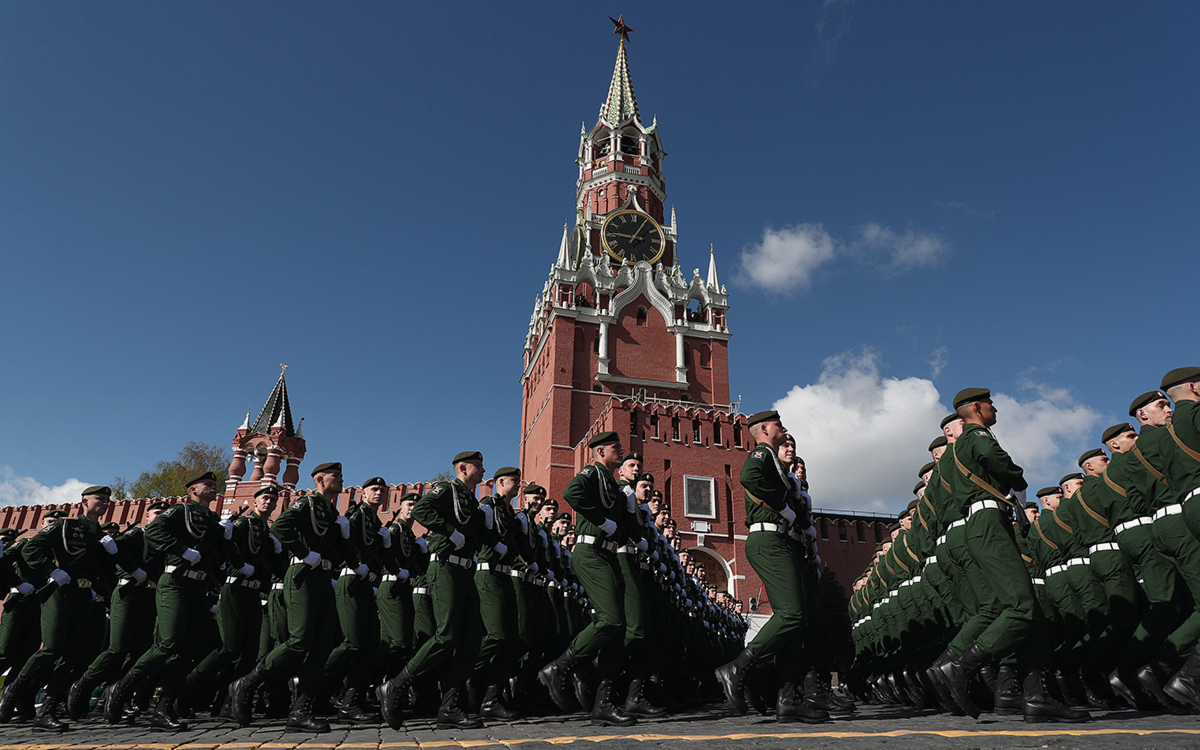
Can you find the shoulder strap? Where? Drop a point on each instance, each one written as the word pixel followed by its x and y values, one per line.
pixel 1101 519
pixel 1145 462
pixel 1113 485
pixel 976 479
pixel 1058 520
pixel 1038 523
pixel 1191 452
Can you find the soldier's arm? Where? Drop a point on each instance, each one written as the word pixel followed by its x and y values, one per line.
pixel 760 479
pixel 129 549
pixel 288 531
pixel 161 533
pixel 432 509
pixel 39 553
pixel 580 492
pixel 1000 468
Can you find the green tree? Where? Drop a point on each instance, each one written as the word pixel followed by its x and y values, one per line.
pixel 167 478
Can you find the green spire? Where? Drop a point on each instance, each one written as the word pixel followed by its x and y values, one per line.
pixel 621 105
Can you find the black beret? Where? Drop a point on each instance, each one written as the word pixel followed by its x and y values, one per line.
pixel 55 514
pixel 1031 505
pixel 970 395
pixel 632 456
pixel 948 419
pixel 1179 375
pixel 937 442
pixel 535 489
pixel 1069 477
pixel 911 505
pixel 893 526
pixel 645 476
pixel 1144 399
pixel 9 532
pixel 762 416
pixel 410 495
pixel 917 487
pixel 111 527
pixel 331 466
pixel 96 489
pixel 507 471
pixel 161 505
pixel 550 501
pixel 564 516
pixel 787 438
pixel 604 438
pixel 206 476
pixel 800 461
pixel 468 456
pixel 1117 429
pixel 1090 454
pixel 267 489
pixel 657 493
pixel 927 467
pixel 375 482
pixel 1049 491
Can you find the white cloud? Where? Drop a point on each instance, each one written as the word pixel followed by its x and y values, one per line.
pixel 18 490
pixel 862 436
pixel 1046 433
pixel 786 259
pixel 903 252
pixel 939 361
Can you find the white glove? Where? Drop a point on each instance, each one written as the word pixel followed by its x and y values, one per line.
pixel 788 514
pixel 403 574
pixel 642 546
pixel 191 555
pixel 227 527
pixel 532 568
pixel 343 525
pixel 457 539
pixel 212 610
pixel 108 544
pixel 489 516
pixel 423 545
pixel 25 588
pixel 609 527
pixel 549 575
pixel 386 535
pixel 246 570
pixel 501 548
pixel 275 541
pixel 60 576
pixel 362 570
pixel 138 575
pixel 1020 497
pixel 312 559
pixel 524 521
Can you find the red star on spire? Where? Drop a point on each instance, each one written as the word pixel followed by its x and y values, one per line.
pixel 621 29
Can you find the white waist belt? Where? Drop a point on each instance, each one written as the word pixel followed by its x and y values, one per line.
pixel 494 566
pixel 1051 572
pixel 940 541
pixel 766 527
pixel 1078 561
pixel 420 590
pixel 1170 510
pixel 982 505
pixel 1104 547
pixel 596 541
pixel 956 524
pixel 1038 581
pixel 1142 521
pixel 1190 495
pixel 628 549
pixel 323 565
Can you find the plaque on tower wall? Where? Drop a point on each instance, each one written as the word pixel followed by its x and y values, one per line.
pixel 699 497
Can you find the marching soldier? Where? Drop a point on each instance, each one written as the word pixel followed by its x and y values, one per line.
pixel 500 649
pixel 395 597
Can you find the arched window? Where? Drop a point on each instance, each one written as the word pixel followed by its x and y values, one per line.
pixel 641 316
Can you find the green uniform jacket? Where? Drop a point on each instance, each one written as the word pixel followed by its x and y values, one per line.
pixel 977 450
pixel 133 552
pixel 766 486
pixel 1145 489
pixel 1182 470
pixel 304 527
pixel 1092 510
pixel 70 544
pixel 191 525
pixel 505 529
pixel 447 508
pixel 255 546
pixel 364 544
pixel 1056 541
pixel 594 496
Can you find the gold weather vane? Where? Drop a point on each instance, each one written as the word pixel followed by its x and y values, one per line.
pixel 282 368
pixel 621 29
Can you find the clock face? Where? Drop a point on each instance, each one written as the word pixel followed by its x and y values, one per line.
pixel 631 236
pixel 575 245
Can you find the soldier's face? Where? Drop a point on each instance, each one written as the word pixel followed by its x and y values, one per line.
pixel 1070 486
pixel 560 528
pixel 906 523
pixel 1156 413
pixel 953 429
pixel 787 453
pixel 1123 442
pixel 1050 502
pixel 406 509
pixel 151 515
pixel 643 490
pixel 1095 466
pixel 533 503
pixel 507 486
pixel 204 491
pixel 771 432
pixel 937 452
pixel 986 411
pixel 470 472
pixel 374 495
pixel 94 505
pixel 630 469
pixel 547 513
pixel 264 505
pixel 329 483
pixel 1032 514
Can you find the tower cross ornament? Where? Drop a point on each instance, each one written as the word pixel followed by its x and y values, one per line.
pixel 621 28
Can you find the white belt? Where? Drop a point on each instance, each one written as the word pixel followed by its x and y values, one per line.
pixel 494 566
pixel 1170 510
pixel 596 541
pixel 766 527
pixel 956 524
pixel 940 541
pixel 1038 581
pixel 1051 572
pixel 1140 521
pixel 1190 495
pixel 350 572
pixel 277 587
pixel 195 575
pixel 146 584
pixel 420 590
pixel 628 549
pixel 391 577
pixel 1078 561
pixel 462 562
pixel 916 579
pixel 932 560
pixel 906 583
pixel 885 600
pixel 982 505
pixel 1104 547
pixel 247 583
pixel 323 565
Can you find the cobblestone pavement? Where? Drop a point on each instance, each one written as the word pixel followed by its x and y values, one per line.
pixel 714 727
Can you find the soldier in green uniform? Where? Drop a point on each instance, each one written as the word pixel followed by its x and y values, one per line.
pixel 395 597
pixel 20 623
pixel 69 556
pixel 767 487
pixel 305 530
pixel 191 541
pixel 365 542
pixel 500 649
pixel 598 504
pixel 451 513
pixel 239 609
pixel 986 483
pixel 635 561
pixel 531 623
pixel 131 615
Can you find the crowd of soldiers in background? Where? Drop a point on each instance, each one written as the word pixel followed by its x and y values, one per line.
pixel 353 616
pixel 1089 596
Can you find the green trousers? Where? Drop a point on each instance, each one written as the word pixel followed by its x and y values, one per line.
pixel 452 650
pixel 312 629
pixel 358 617
pixel 181 618
pixel 1114 573
pixel 600 576
pixel 1164 590
pixel 70 631
pixel 500 649
pixel 396 614
pixel 1175 540
pixel 239 623
pixel 636 617
pixel 770 555
pixel 20 631
pixel 130 632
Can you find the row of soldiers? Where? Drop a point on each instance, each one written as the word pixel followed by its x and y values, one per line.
pixel 487 614
pixel 1089 595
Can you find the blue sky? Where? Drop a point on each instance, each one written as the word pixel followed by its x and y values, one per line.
pixel 905 199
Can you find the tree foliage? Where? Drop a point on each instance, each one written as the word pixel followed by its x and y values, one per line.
pixel 167 478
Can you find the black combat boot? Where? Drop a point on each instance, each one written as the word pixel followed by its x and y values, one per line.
pixel 819 694
pixel 301 717
pixel 494 707
pixel 47 715
pixel 452 715
pixel 116 698
pixel 1154 676
pixel 732 677
pixel 79 698
pixel 8 699
pixel 554 677
pixel 957 674
pixel 605 712
pixel 352 711
pixel 391 694
pixel 164 716
pixel 1041 706
pixel 1009 699
pixel 792 707
pixel 1124 687
pixel 1184 687
pixel 241 693
pixel 583 679
pixel 636 702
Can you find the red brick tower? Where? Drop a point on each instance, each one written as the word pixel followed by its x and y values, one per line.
pixel 268 442
pixel 620 339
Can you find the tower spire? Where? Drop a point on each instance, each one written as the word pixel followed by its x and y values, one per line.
pixel 713 282
pixel 621 104
pixel 564 251
pixel 277 410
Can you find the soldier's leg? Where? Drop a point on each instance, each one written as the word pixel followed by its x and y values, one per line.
pixel 59 618
pixel 443 593
pixel 771 558
pixel 598 573
pixel 20 631
pixel 1020 623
